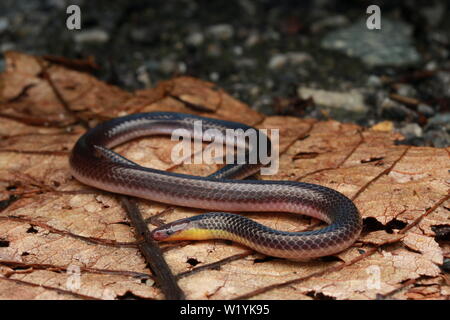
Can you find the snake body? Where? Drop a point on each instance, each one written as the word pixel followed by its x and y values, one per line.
pixel 94 163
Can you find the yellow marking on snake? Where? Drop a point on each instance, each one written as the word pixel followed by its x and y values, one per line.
pixel 204 234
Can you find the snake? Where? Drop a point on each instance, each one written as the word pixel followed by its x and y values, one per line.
pixel 228 193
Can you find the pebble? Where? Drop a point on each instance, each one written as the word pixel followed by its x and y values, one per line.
pixel 221 31
pixel 167 66
pixel 269 83
pixel 237 50
pixel 253 39
pixel 374 81
pixel 328 22
pixel 411 130
pixel 350 101
pixel 406 90
pixel 440 119
pixel 395 110
pixel 391 45
pixel 277 61
pixel 266 60
pixel 425 109
pixel 91 36
pixel 431 66
pixel 386 126
pixel 4 24
pixel 439 138
pixel 143 76
pixel 296 58
pixel 444 78
pixel 255 91
pixel 7 46
pixel 182 67
pixel 214 76
pixel 195 39
pixel 293 58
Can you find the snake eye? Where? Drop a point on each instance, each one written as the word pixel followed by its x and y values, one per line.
pixel 160 235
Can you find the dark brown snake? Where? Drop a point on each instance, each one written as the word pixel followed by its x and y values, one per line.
pixel 93 163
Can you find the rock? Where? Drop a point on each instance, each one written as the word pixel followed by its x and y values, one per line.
pixel 167 66
pixel 277 61
pixel 374 81
pixel 269 83
pixel 237 50
pixel 195 39
pixel 91 36
pixel 255 91
pixel 439 138
pixel 444 82
pixel 425 109
pixel 431 66
pixel 253 39
pixel 406 90
pixel 331 21
pixel 411 130
pixel 7 46
pixel 349 101
pixel 386 126
pixel 293 58
pixel 221 31
pixel 296 58
pixel 396 111
pixel 440 119
pixel 182 67
pixel 143 76
pixel 4 24
pixel 214 76
pixel 391 45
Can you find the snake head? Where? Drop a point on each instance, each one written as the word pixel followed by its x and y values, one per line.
pixel 183 229
pixel 170 231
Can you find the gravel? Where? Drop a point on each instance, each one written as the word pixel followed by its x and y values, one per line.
pixel 391 45
pixel 262 53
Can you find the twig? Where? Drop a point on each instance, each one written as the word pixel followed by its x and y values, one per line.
pixel 152 253
pixel 57 290
pixel 215 265
pixel 41 266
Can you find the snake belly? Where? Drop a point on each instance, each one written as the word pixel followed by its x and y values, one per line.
pixel 92 162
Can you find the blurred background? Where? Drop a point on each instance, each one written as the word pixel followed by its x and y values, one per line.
pixel 302 58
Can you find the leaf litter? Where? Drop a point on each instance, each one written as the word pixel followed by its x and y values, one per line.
pixel 60 239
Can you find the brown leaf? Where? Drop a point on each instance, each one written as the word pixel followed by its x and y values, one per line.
pixel 62 239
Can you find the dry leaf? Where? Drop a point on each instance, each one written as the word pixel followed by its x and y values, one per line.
pixel 62 239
